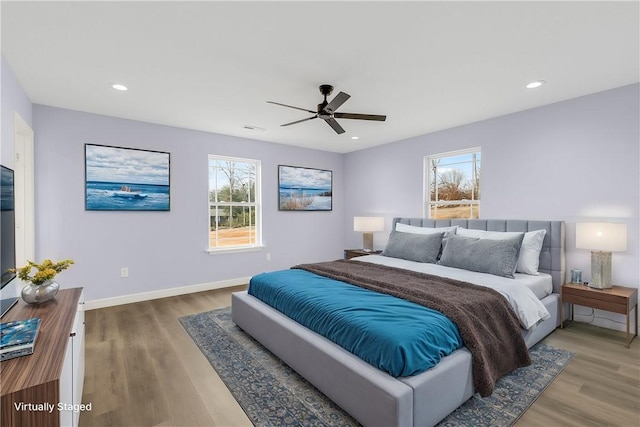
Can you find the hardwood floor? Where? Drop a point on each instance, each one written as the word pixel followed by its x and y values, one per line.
pixel 599 387
pixel 142 369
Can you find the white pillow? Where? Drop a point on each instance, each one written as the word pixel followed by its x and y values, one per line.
pixel 405 228
pixel 529 257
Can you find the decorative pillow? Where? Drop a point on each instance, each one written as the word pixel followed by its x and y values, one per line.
pixel 413 247
pixel 497 257
pixel 448 231
pixel 529 257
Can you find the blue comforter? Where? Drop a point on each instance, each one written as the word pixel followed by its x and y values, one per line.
pixel 397 336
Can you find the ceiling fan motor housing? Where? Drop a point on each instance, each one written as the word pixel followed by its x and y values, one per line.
pixel 321 113
pixel 326 90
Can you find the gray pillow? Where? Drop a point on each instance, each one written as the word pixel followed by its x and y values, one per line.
pixel 413 247
pixel 497 257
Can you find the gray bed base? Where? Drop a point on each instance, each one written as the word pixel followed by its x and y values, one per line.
pixel 371 396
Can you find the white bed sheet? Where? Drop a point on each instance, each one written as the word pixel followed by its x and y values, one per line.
pixel 524 300
pixel 541 285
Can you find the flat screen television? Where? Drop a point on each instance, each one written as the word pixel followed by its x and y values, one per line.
pixel 7 234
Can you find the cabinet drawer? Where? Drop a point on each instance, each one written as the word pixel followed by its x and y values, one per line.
pixel 615 306
pixel 596 299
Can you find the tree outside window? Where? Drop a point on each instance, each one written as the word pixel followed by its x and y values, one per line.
pixel 453 184
pixel 234 208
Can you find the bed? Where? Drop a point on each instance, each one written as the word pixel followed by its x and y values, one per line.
pixel 371 395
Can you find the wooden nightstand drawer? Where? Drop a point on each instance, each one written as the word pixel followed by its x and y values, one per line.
pixel 595 298
pixel 618 299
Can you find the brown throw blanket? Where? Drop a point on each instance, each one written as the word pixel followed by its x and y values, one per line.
pixel 487 323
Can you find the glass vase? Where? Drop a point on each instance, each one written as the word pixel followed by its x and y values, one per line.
pixel 37 294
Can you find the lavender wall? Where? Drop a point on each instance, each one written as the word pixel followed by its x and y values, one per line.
pixel 576 161
pixel 166 249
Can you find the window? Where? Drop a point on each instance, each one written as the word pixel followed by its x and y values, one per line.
pixel 234 203
pixel 453 184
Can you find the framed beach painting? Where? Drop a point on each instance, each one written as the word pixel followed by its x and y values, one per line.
pixel 304 189
pixel 125 179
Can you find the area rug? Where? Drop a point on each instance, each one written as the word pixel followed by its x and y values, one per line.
pixel 272 394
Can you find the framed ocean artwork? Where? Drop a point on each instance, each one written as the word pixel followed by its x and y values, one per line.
pixel 126 179
pixel 304 189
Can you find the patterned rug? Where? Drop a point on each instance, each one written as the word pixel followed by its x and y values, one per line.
pixel 272 394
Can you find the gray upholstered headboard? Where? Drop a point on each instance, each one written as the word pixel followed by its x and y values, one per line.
pixel 551 256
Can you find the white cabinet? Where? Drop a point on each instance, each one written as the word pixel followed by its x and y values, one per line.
pixel 53 375
pixel 72 376
pixel 78 358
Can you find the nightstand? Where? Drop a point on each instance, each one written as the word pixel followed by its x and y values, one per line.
pixel 617 299
pixel 352 253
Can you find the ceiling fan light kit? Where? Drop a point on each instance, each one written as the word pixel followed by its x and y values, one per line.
pixel 327 110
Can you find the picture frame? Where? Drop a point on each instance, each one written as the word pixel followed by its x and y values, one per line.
pixel 126 179
pixel 304 189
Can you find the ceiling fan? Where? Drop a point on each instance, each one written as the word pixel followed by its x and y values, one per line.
pixel 327 110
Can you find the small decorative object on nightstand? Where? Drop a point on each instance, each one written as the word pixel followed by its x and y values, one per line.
pixel 576 276
pixel 617 299
pixel 352 253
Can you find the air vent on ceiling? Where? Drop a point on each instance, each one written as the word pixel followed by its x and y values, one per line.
pixel 250 127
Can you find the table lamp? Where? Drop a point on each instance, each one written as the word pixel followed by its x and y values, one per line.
pixel 601 238
pixel 367 225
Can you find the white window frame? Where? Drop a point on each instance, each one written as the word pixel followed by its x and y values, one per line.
pixel 428 178
pixel 257 204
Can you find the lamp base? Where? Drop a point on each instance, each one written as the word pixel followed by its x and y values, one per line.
pixel 367 242
pixel 600 270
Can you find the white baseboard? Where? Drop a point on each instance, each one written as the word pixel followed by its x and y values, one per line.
pixel 163 293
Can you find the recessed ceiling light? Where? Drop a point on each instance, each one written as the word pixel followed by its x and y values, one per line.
pixel 355 137
pixel 535 84
pixel 118 86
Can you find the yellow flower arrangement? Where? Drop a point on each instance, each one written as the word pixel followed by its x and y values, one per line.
pixel 46 271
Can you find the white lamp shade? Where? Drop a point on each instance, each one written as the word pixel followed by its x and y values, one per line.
pixel 368 224
pixel 601 236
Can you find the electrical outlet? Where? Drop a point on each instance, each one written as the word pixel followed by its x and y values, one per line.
pixel 124 272
pixel 268 256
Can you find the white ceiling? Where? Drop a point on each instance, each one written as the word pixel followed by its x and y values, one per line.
pixel 212 66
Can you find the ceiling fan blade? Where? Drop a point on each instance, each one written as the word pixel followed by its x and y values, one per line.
pixel 360 116
pixel 336 102
pixel 300 121
pixel 291 106
pixel 335 125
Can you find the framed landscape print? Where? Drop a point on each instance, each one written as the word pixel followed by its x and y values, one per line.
pixel 126 179
pixel 304 189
